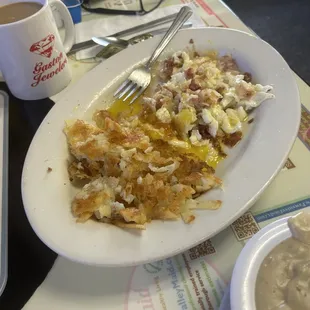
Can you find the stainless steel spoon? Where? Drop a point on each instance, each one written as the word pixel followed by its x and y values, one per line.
pixel 104 41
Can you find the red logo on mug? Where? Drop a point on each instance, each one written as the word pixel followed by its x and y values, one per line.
pixel 43 72
pixel 44 47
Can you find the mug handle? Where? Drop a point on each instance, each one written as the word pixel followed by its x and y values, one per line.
pixel 68 23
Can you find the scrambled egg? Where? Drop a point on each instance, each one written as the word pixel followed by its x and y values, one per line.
pixel 151 159
pixel 205 97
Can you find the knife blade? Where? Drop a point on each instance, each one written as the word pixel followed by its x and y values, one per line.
pixel 110 50
pixel 90 43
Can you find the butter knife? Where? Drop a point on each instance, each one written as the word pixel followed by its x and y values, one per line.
pixel 110 49
pixel 90 43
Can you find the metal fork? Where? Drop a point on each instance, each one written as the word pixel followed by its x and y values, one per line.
pixel 140 78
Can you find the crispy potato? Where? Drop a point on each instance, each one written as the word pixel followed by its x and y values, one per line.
pixel 131 179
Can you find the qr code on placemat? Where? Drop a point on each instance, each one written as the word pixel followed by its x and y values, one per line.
pixel 245 226
pixel 202 249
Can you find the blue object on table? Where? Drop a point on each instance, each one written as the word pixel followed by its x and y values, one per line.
pixel 74 7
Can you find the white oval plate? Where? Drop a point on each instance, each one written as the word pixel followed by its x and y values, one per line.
pixel 246 173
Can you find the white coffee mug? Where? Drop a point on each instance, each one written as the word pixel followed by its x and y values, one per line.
pixel 33 58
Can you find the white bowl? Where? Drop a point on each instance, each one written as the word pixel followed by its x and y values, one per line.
pixel 242 287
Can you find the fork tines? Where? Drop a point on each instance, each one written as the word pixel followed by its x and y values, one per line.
pixel 136 83
pixel 128 87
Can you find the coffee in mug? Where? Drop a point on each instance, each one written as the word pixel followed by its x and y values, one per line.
pixel 14 12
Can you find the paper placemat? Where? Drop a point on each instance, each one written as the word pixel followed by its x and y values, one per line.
pixel 196 279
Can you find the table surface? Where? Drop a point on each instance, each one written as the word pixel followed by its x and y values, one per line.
pixel 29 259
pixel 285 24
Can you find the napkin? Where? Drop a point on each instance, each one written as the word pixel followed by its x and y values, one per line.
pixel 110 25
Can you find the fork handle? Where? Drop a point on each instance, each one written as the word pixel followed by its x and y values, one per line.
pixel 180 19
